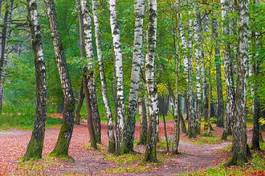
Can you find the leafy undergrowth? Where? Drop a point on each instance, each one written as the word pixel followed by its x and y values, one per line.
pixel 23 121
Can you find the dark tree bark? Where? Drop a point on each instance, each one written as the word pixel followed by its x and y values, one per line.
pixel 35 146
pixel 79 103
pixel 87 82
pixel 65 135
pixel 219 85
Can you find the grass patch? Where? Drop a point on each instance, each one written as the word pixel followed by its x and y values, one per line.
pixel 23 121
pixel 201 140
pixel 255 167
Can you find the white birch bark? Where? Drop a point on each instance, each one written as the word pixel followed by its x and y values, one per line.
pixel 111 146
pixel 118 73
pixel 150 153
pixel 135 76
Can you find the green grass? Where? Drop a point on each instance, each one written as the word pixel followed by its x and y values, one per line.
pixel 23 121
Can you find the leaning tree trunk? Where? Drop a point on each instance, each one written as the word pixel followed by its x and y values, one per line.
pixel 81 46
pixel 135 77
pixel 150 153
pixel 88 82
pixel 143 114
pixel 111 146
pixel 35 146
pixel 88 46
pixel 118 74
pixel 64 138
pixel 239 143
pixel 3 45
pixel 219 86
pixel 228 67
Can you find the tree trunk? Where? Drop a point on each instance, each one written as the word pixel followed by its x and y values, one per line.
pixel 80 103
pixel 35 146
pixel 257 135
pixel 239 144
pixel 88 46
pixel 135 77
pixel 3 45
pixel 219 86
pixel 64 138
pixel 192 132
pixel 228 65
pixel 150 153
pixel 199 62
pixel 118 74
pixel 111 146
pixel 88 81
pixel 142 112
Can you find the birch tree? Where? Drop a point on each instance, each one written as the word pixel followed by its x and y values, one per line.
pixel 120 109
pixel 88 48
pixel 63 141
pixel 35 146
pixel 111 146
pixel 135 77
pixel 150 152
pixel 240 151
pixel 227 6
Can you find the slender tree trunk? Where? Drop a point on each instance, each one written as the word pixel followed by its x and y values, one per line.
pixel 3 45
pixel 111 146
pixel 199 62
pixel 257 135
pixel 88 82
pixel 165 131
pixel 35 146
pixel 88 46
pixel 239 144
pixel 118 74
pixel 150 153
pixel 191 113
pixel 82 53
pixel 64 138
pixel 135 77
pixel 79 103
pixel 219 86
pixel 228 65
pixel 142 112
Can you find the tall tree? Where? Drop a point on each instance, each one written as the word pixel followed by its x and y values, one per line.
pixel 9 5
pixel 219 86
pixel 128 139
pixel 88 48
pixel 150 153
pixel 35 146
pixel 227 7
pixel 256 73
pixel 239 144
pixel 111 147
pixel 65 135
pixel 120 107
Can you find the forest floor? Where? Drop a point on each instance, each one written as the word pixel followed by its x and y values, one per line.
pixel 193 155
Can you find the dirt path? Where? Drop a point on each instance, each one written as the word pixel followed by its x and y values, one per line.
pixel 88 162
